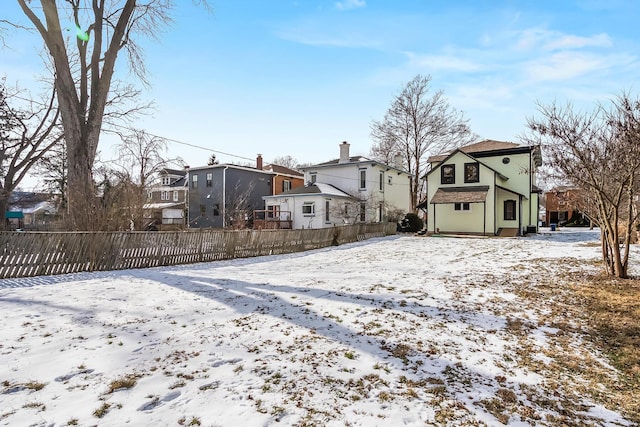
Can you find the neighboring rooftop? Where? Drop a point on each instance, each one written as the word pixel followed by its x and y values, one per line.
pixel 479 147
pixel 282 170
pixel 317 188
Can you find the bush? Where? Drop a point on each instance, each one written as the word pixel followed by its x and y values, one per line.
pixel 415 223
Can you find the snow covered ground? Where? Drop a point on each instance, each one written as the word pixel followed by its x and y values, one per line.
pixel 394 331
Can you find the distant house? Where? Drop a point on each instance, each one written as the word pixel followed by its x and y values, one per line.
pixel 166 201
pixel 31 210
pixel 562 205
pixel 226 195
pixel 486 188
pixel 344 191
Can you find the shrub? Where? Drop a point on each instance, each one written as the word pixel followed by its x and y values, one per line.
pixel 415 222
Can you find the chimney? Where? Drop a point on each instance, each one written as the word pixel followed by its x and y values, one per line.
pixel 344 152
pixel 397 161
pixel 259 162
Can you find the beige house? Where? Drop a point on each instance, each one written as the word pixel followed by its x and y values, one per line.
pixel 487 188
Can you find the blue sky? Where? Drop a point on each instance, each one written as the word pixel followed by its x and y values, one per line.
pixel 285 77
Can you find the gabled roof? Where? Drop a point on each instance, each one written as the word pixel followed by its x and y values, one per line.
pixel 318 188
pixel 281 170
pixel 231 166
pixel 176 172
pixel 485 147
pixel 354 160
pixel 447 157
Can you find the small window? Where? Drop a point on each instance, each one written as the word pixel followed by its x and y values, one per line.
pixel 509 210
pixel 209 179
pixel 194 181
pixel 462 206
pixel 381 181
pixel 471 172
pixel 286 185
pixel 346 209
pixel 326 210
pixel 363 211
pixel 448 174
pixel 175 195
pixel 308 209
pixel 164 195
pixel 166 180
pixel 363 179
pixel 389 179
pixel 216 210
pixel 380 212
pixel 313 177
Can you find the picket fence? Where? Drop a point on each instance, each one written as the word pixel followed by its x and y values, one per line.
pixel 27 254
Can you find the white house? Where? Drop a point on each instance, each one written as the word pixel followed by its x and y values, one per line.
pixel 486 188
pixel 345 191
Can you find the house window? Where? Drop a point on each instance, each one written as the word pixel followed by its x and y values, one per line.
pixel 389 179
pixel 448 174
pixel 150 195
pixel 175 196
pixel 326 211
pixel 272 211
pixel 471 172
pixel 308 209
pixel 216 210
pixel 194 181
pixel 166 180
pixel 462 206
pixel 509 210
pixel 363 211
pixel 286 185
pixel 380 212
pixel 346 209
pixel 313 177
pixel 381 181
pixel 164 195
pixel 363 179
pixel 209 179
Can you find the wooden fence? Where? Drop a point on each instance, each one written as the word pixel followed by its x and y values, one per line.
pixel 46 253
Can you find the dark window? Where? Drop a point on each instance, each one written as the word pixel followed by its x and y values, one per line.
pixel 209 179
pixel 326 210
pixel 381 181
pixel 509 210
pixel 462 206
pixel 363 179
pixel 448 174
pixel 313 177
pixel 471 172
pixel 216 210
pixel 363 211
pixel 194 181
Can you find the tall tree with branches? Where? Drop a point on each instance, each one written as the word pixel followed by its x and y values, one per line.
pixel 26 134
pixel 419 123
pixel 598 152
pixel 84 60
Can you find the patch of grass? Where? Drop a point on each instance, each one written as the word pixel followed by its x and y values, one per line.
pixel 35 405
pixel 102 410
pixel 349 355
pixel 128 381
pixel 35 385
pixel 72 422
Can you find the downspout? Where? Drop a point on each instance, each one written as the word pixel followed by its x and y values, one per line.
pixel 484 220
pixel 224 196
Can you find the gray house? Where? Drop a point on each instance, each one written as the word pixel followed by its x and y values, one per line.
pixel 225 195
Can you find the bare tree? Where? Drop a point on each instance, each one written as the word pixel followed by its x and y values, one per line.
pixel 84 67
pixel 26 134
pixel 286 161
pixel 416 125
pixel 598 152
pixel 53 169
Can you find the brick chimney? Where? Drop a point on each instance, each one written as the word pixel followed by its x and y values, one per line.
pixel 344 152
pixel 259 162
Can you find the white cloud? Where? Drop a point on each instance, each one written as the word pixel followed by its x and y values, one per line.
pixel 577 42
pixel 350 4
pixel 569 65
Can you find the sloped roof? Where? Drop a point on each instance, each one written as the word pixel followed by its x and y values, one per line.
pixel 176 172
pixel 479 147
pixel 352 159
pixel 317 188
pixel 476 194
pixel 282 170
